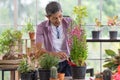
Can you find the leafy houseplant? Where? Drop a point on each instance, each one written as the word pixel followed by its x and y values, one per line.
pixel 29 28
pixel 8 41
pixel 77 41
pixel 46 61
pixel 112 22
pixel 96 32
pixel 112 61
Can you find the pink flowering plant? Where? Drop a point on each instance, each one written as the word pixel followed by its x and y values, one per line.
pixel 112 22
pixel 77 38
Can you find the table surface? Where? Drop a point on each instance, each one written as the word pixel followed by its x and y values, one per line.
pixel 87 78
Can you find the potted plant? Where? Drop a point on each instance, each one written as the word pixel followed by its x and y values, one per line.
pixel 27 70
pixel 29 28
pixel 107 74
pixel 46 61
pixel 112 61
pixel 77 43
pixel 96 32
pixel 53 73
pixel 98 76
pixel 112 22
pixel 8 40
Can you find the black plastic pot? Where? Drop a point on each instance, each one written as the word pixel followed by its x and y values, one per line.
pixel 78 72
pixel 113 35
pixel 107 74
pixel 44 74
pixel 29 75
pixel 95 34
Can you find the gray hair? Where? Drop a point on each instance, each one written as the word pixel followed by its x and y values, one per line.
pixel 52 8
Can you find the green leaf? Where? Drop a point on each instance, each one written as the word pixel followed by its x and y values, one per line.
pixel 110 52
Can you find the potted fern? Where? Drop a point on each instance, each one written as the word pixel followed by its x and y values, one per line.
pixel 46 61
pixel 77 43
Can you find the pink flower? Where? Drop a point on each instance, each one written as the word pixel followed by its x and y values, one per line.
pixel 74 35
pixel 76 32
pixel 112 20
pixel 116 76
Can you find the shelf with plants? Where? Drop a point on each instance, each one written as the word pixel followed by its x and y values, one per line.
pixel 103 40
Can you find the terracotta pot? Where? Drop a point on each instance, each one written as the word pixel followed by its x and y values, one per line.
pixel 61 76
pixel 98 79
pixel 32 35
pixel 53 79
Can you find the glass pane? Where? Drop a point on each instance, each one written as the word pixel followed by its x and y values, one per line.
pixel 93 10
pixel 4 27
pixel 93 50
pixel 94 64
pixel 110 45
pixel 26 9
pixel 110 8
pixel 6 12
pixel 67 9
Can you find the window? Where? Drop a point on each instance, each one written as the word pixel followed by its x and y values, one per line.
pixel 14 12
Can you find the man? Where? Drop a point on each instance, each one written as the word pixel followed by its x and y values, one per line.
pixel 52 33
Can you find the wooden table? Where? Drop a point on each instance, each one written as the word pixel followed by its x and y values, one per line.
pixel 10 65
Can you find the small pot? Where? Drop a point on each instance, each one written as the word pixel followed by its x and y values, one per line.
pixel 95 34
pixel 32 35
pixel 113 35
pixel 98 79
pixel 53 79
pixel 78 72
pixel 61 76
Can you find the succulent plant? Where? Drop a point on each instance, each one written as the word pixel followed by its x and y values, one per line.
pixel 53 72
pixel 107 74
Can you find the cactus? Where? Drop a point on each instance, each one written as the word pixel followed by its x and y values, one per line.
pixel 53 72
pixel 107 74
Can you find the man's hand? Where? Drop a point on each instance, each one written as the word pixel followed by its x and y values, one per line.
pixel 61 55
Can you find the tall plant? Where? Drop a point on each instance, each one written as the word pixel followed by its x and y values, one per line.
pixel 77 37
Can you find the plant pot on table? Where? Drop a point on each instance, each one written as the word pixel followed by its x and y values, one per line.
pixel 29 75
pixel 44 74
pixel 78 72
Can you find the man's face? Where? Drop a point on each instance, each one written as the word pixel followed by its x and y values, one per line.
pixel 56 18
